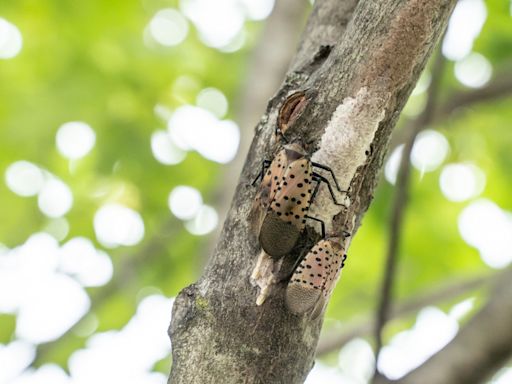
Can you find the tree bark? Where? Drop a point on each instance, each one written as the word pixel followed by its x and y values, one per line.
pixel 357 84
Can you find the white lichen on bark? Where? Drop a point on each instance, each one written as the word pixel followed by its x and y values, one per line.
pixel 344 147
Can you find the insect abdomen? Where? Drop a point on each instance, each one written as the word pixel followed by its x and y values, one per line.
pixel 277 237
pixel 285 217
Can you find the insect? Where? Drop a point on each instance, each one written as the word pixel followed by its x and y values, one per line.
pixel 285 196
pixel 315 277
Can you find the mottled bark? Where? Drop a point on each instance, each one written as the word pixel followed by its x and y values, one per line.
pixel 357 82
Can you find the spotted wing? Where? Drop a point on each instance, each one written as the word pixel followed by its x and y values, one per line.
pixel 305 290
pixel 271 180
pixel 337 261
pixel 268 188
pixel 292 199
pixel 335 256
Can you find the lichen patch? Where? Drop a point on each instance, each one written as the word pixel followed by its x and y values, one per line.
pixel 345 146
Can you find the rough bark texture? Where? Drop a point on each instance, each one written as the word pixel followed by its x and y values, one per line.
pixel 357 86
pixel 481 347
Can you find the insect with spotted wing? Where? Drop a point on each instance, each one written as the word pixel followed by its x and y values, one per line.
pixel 315 277
pixel 285 196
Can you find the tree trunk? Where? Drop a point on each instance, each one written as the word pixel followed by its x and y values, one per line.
pixel 357 82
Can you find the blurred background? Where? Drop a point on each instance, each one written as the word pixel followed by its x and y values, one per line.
pixel 123 128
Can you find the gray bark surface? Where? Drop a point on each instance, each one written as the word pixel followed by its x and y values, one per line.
pixel 358 76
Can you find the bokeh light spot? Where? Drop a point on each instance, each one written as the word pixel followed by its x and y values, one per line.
pixel 48 373
pixel 257 9
pixel 80 259
pixel 460 310
pixel 196 128
pixel 465 25
pixel 357 360
pixel 115 225
pixel 429 150
pixel 473 71
pixel 504 376
pixel 38 255
pixel 461 182
pixel 393 164
pixel 409 349
pixel 164 149
pixel 485 226
pixel 57 304
pixel 205 221
pixel 323 374
pixel 184 202
pixel 147 330
pixel 58 228
pixel 218 22
pixel 11 40
pixel 214 101
pixel 168 27
pixel 55 198
pixel 75 139
pixel 14 358
pixel 24 178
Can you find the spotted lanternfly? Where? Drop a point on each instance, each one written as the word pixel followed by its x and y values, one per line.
pixel 315 277
pixel 271 176
pixel 285 196
pixel 291 109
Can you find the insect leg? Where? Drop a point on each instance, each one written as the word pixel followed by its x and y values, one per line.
pixel 320 221
pixel 318 178
pixel 325 167
pixel 295 266
pixel 315 191
pixel 264 165
pixel 343 260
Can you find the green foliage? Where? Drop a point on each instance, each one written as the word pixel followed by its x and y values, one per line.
pixel 87 61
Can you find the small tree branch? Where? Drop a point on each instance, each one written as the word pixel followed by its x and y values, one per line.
pixel 399 205
pixel 480 348
pixel 500 87
pixel 335 341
